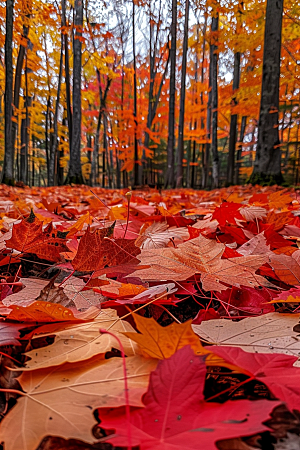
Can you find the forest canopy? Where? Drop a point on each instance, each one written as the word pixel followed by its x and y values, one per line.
pixel 195 93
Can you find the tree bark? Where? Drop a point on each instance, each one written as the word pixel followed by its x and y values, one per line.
pixel 18 79
pixel 53 141
pixel 67 72
pixel 233 120
pixel 169 180
pixel 8 167
pixel 136 148
pixel 180 147
pixel 75 174
pixel 239 151
pixel 267 166
pixel 214 74
pixel 25 131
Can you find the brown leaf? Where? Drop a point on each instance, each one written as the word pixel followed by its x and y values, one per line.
pixel 286 267
pixel 269 333
pixel 61 401
pixel 83 341
pixel 201 255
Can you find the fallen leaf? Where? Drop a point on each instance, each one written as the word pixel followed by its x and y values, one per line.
pixel 162 342
pixel 29 237
pixel 176 416
pixel 83 341
pixel 269 333
pixel 60 401
pixel 158 235
pixel 275 371
pixel 201 255
pixel 97 250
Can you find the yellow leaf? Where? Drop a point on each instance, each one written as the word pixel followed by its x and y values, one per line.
pixel 162 342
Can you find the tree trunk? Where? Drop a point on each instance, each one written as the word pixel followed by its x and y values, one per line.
pixel 75 174
pixel 8 167
pixel 18 79
pixel 136 149
pixel 67 72
pixel 233 120
pixel 180 148
pixel 53 141
pixel 214 74
pixel 169 180
pixel 25 132
pixel 239 151
pixel 267 166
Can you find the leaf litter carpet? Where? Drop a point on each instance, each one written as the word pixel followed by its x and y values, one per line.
pixel 149 320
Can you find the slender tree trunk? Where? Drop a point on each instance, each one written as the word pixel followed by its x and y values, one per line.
pixel 8 167
pixel 25 132
pixel 67 72
pixel 136 149
pixel 267 166
pixel 180 148
pixel 233 120
pixel 60 169
pixel 169 179
pixel 240 148
pixel 75 174
pixel 53 141
pixel 17 85
pixel 214 74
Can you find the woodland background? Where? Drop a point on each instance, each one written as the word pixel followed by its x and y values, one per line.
pixel 194 93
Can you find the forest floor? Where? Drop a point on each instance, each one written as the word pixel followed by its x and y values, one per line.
pixel 149 320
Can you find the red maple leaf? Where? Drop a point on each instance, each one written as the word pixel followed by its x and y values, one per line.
pixel 227 212
pixel 177 417
pixel 98 250
pixel 28 237
pixel 276 371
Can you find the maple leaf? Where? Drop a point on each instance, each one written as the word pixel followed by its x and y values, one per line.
pixel 158 235
pixel 97 250
pixel 253 213
pixel 287 268
pixel 27 295
pixel 269 333
pixel 255 246
pixel 60 402
pixel 176 416
pixel 247 300
pixel 290 296
pixel 10 332
pixel 201 255
pixel 41 312
pixel 162 342
pixel 275 371
pixel 82 341
pixel 227 212
pixel 28 237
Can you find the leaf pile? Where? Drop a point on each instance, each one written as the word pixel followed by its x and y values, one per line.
pixel 195 294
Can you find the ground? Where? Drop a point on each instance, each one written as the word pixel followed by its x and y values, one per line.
pixel 149 319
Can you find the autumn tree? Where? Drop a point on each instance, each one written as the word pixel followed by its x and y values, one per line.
pixel 8 167
pixel 75 174
pixel 267 166
pixel 180 148
pixel 169 178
